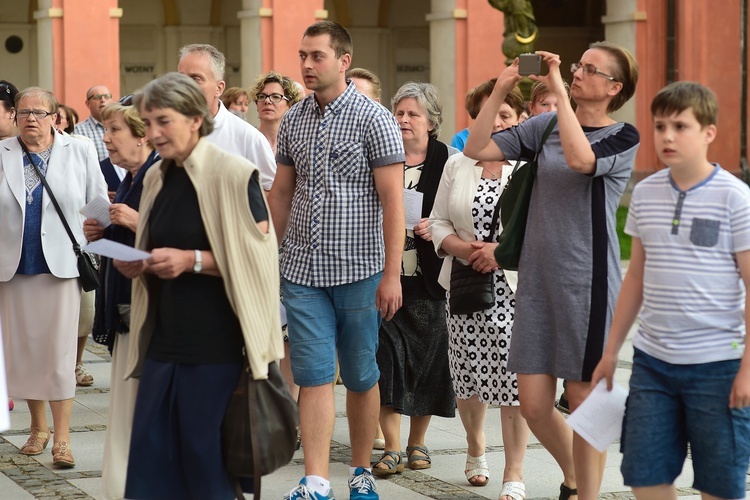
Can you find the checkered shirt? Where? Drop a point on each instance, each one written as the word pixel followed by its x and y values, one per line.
pixel 335 233
pixel 94 131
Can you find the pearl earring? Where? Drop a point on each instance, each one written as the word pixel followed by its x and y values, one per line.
pixel 139 144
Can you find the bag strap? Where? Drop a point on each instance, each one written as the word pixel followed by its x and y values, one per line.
pixel 257 474
pixel 253 413
pixel 546 135
pixel 547 132
pixel 76 246
pixel 495 215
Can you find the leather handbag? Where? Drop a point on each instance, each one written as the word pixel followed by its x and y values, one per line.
pixel 259 431
pixel 88 269
pixel 88 263
pixel 472 291
pixel 514 212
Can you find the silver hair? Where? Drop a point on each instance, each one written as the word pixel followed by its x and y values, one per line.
pixel 426 94
pixel 218 61
pixel 178 92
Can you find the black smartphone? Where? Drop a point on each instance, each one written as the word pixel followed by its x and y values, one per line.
pixel 529 64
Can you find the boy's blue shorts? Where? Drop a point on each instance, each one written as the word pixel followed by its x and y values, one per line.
pixel 671 406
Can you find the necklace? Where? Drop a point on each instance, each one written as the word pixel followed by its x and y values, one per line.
pixel 493 175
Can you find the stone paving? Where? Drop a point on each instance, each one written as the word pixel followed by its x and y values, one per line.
pixel 25 478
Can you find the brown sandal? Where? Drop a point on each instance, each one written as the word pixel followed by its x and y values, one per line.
pixel 36 443
pixel 61 455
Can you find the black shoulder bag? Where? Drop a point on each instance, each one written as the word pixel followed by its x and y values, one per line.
pixel 88 265
pixel 515 208
pixel 259 431
pixel 472 291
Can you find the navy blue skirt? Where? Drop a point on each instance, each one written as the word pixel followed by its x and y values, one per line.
pixel 175 448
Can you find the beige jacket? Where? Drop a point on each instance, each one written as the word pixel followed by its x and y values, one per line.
pixel 451 213
pixel 246 258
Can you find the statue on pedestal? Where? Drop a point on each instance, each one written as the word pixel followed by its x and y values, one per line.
pixel 520 27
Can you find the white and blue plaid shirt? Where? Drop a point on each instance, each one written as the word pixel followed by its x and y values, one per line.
pixel 335 233
pixel 94 131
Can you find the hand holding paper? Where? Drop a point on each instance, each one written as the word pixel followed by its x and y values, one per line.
pixel 98 209
pixel 115 250
pixel 599 418
pixel 412 207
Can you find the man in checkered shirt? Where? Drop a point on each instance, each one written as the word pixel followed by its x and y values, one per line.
pixel 97 98
pixel 337 202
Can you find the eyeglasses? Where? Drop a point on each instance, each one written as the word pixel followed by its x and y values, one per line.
pixel 96 97
pixel 4 88
pixel 590 70
pixel 38 113
pixel 275 98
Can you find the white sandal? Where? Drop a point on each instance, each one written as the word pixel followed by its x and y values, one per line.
pixel 513 489
pixel 83 378
pixel 477 466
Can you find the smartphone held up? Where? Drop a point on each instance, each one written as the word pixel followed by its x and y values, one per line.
pixel 529 64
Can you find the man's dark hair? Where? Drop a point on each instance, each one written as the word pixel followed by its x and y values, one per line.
pixel 341 42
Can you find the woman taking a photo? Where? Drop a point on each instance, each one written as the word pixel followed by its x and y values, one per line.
pixel 569 273
pixel 204 219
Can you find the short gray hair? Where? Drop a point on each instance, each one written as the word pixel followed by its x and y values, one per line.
pixel 44 94
pixel 218 61
pixel 426 95
pixel 178 92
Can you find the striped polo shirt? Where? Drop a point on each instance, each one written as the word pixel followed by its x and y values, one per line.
pixel 693 296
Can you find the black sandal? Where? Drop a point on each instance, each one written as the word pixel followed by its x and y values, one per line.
pixel 566 492
pixel 393 462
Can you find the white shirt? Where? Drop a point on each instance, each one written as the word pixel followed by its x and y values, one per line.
pixel 236 136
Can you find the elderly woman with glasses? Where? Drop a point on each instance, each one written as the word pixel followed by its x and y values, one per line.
pixel 208 290
pixel 569 273
pixel 39 292
pixel 273 95
pixel 412 355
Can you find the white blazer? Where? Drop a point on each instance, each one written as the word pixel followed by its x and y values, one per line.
pixel 74 175
pixel 451 213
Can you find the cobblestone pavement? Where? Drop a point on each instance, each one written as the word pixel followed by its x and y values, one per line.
pixel 34 477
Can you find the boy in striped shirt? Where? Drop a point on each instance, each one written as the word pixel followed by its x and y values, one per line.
pixel 689 268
